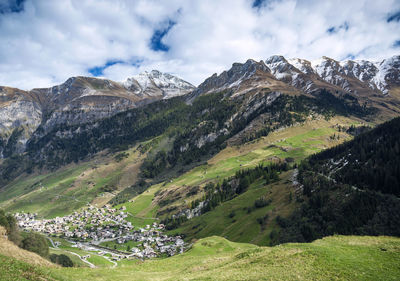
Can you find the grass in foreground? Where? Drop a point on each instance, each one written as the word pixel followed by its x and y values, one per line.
pixel 215 258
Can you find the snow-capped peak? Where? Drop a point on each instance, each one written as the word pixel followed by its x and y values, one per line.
pixel 154 82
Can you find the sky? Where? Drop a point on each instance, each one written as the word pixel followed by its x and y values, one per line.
pixel 44 42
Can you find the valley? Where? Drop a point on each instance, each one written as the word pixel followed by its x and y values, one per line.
pixel 214 177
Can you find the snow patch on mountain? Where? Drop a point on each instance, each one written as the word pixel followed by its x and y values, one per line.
pixel 154 82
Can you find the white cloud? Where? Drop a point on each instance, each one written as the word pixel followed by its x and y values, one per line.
pixel 50 41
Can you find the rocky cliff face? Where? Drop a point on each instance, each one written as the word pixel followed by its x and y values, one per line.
pixel 78 100
pixel 20 115
pixel 250 76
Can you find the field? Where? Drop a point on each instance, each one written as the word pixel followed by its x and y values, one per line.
pixel 215 258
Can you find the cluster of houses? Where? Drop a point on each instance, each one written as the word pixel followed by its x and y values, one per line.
pixel 153 242
pixel 94 225
pixel 90 224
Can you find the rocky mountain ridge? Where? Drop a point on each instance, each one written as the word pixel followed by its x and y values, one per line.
pixel 78 100
pixel 351 76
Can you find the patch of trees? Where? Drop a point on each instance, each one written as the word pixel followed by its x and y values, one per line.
pixel 108 188
pixel 343 104
pixel 62 260
pixel 262 221
pixel 262 202
pixel 9 148
pixel 29 241
pixel 10 224
pixel 355 130
pixel 13 166
pixel 120 156
pixel 36 243
pixel 174 222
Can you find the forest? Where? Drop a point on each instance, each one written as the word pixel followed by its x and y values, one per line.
pixel 359 197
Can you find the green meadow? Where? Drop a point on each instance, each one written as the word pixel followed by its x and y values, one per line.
pixel 215 258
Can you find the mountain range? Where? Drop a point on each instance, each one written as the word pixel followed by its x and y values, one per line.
pixel 85 99
pixel 80 100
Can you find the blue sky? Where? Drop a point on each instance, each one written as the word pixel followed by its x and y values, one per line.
pixel 43 43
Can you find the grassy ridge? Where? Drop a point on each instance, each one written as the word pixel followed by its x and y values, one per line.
pixel 12 269
pixel 215 258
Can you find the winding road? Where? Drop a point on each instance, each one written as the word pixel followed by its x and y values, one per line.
pixel 91 265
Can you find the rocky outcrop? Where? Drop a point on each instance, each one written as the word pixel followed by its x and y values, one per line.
pixel 20 115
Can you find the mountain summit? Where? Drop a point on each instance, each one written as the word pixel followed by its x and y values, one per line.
pixel 156 83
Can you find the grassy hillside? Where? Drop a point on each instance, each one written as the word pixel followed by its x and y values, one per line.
pixel 59 193
pixel 295 142
pixel 238 220
pixel 65 190
pixel 9 249
pixel 215 258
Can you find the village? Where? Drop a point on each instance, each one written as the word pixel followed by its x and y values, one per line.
pixel 92 227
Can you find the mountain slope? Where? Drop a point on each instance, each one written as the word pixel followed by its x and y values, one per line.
pixel 77 101
pixel 350 189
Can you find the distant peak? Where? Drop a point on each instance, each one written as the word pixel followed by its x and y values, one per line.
pixel 275 59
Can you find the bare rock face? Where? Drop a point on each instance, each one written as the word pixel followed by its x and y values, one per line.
pixel 231 78
pixel 78 100
pixel 20 115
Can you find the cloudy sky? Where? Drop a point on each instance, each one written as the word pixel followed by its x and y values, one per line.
pixel 43 42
